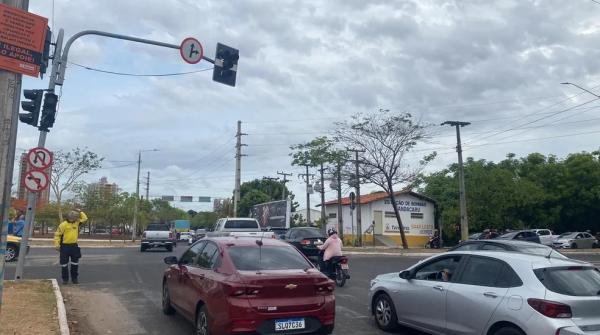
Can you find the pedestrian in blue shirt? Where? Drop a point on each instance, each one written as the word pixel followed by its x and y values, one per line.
pixel 19 226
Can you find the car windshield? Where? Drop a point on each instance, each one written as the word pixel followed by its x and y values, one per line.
pixel 567 235
pixel 573 281
pixel 253 258
pixel 241 224
pixel 157 227
pixel 309 233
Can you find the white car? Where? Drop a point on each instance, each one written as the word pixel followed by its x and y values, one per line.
pixel 185 236
pixel 546 236
pixel 577 240
pixel 490 293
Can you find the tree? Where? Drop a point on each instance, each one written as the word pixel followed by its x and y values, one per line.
pixel 383 140
pixel 204 220
pixel 68 168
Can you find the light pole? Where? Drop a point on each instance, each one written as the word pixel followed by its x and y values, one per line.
pixel 137 194
pixel 581 88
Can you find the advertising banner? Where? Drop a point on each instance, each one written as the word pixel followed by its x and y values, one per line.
pixel 274 214
pixel 22 36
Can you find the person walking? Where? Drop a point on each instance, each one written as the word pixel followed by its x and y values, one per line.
pixel 65 241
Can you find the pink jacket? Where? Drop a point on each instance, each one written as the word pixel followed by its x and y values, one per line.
pixel 332 247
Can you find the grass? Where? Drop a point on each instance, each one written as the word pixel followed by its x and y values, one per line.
pixel 29 308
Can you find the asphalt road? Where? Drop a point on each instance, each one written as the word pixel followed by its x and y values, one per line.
pixel 134 279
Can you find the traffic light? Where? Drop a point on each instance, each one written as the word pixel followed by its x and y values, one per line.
pixel 46 54
pixel 32 107
pixel 48 111
pixel 226 61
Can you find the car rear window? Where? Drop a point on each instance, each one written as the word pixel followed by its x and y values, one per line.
pixel 241 224
pixel 252 258
pixel 157 227
pixel 308 233
pixel 573 281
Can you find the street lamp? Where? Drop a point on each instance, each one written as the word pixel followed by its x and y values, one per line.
pixel 581 88
pixel 137 193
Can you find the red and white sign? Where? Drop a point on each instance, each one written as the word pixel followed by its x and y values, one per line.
pixel 36 181
pixel 22 37
pixel 191 50
pixel 39 158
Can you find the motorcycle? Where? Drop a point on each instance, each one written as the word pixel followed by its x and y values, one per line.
pixel 434 243
pixel 338 269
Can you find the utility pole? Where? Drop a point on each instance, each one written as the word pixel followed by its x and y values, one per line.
pixel 464 222
pixel 359 230
pixel 270 190
pixel 322 191
pixel 339 204
pixel 10 95
pixel 307 177
pixel 148 187
pixel 238 166
pixel 284 181
pixel 137 194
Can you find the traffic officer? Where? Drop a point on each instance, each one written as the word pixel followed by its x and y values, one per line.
pixel 65 241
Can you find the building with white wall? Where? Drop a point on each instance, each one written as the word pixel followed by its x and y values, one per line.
pixel 379 223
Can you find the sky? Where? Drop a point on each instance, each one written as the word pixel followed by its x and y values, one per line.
pixel 305 65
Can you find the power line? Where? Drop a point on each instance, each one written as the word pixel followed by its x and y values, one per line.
pixel 140 74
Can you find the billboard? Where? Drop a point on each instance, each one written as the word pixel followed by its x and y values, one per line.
pixel 275 214
pixel 22 36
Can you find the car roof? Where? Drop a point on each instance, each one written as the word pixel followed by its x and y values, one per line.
pixel 536 261
pixel 301 228
pixel 245 241
pixel 514 243
pixel 240 219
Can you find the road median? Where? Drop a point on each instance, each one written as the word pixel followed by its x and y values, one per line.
pixel 41 302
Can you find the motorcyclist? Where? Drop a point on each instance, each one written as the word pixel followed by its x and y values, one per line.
pixel 331 248
pixel 434 240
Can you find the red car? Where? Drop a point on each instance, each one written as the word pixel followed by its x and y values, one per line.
pixel 228 285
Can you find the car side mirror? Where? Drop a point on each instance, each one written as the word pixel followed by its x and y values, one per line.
pixel 405 275
pixel 170 260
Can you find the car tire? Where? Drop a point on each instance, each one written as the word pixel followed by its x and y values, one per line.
pixel 170 248
pixel 142 248
pixel 202 324
pixel 508 331
pixel 11 253
pixel 166 301
pixel 574 246
pixel 384 313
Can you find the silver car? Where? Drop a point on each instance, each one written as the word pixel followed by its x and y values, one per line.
pixel 490 293
pixel 579 240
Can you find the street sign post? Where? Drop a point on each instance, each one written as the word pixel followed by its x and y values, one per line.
pixel 35 181
pixel 22 37
pixel 39 158
pixel 191 50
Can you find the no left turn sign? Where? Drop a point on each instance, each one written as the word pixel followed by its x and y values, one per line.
pixel 36 181
pixel 191 50
pixel 39 158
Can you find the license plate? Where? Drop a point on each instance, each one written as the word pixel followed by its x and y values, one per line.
pixel 345 267
pixel 289 324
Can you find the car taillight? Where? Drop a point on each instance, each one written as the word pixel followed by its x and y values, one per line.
pixel 344 260
pixel 305 242
pixel 551 309
pixel 326 288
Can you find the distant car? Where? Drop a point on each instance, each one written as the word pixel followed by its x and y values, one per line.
pixel 306 239
pixel 476 236
pixel 185 236
pixel 546 236
pixel 157 235
pixel 279 232
pixel 576 240
pixel 200 233
pixel 242 227
pixel 509 245
pixel 521 235
pixel 13 247
pixel 491 293
pixel 239 285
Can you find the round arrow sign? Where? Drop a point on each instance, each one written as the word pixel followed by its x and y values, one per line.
pixel 191 50
pixel 39 158
pixel 35 181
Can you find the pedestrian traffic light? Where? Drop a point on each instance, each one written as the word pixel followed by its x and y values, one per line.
pixel 31 107
pixel 226 61
pixel 48 111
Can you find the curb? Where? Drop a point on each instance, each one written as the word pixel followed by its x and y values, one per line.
pixel 60 306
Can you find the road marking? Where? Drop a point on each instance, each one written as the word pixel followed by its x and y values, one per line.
pixel 350 313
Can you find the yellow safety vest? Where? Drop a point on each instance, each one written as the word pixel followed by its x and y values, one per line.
pixel 69 231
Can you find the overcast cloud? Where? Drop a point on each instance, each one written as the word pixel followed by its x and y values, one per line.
pixel 307 64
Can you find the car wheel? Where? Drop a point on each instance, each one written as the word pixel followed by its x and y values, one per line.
pixel 574 246
pixel 509 331
pixel 340 277
pixel 142 248
pixel 166 301
pixel 11 253
pixel 385 313
pixel 170 248
pixel 202 327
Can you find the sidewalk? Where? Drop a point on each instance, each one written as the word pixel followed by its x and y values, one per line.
pixel 48 242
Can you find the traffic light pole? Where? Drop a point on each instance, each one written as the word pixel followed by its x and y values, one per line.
pixel 31 196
